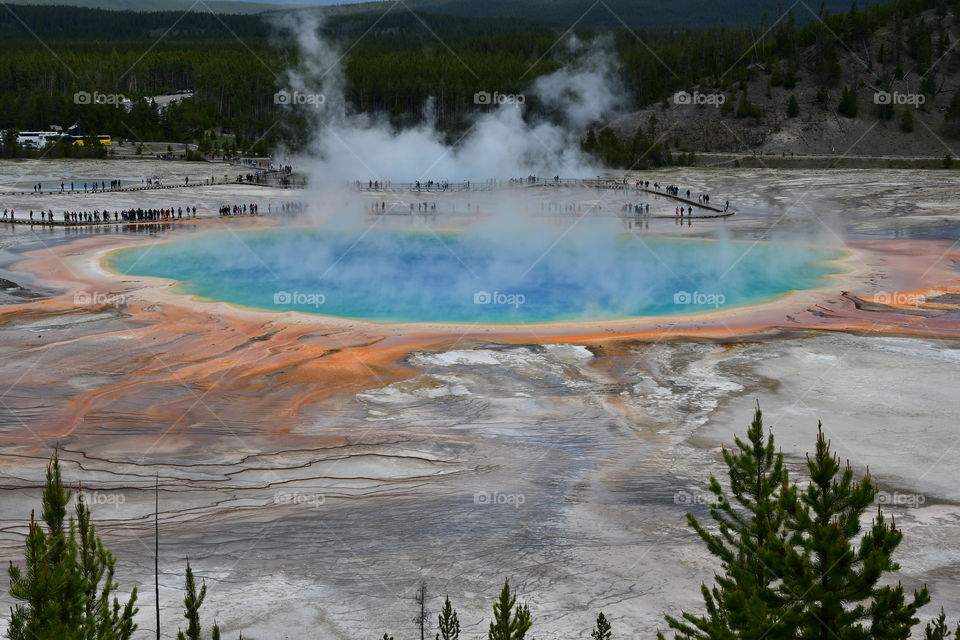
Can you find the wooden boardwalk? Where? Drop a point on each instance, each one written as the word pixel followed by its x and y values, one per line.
pixel 592 184
pixel 150 187
pixel 705 210
pixel 619 185
pixel 126 223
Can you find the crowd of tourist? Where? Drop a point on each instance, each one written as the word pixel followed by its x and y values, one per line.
pixel 239 210
pixel 418 185
pixel 272 175
pixel 99 217
pixel 161 214
pixel 287 207
pixel 531 179
pixel 618 184
pixel 253 209
pixel 636 209
pixel 422 207
pixel 100 186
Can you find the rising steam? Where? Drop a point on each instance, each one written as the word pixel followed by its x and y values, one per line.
pixel 501 142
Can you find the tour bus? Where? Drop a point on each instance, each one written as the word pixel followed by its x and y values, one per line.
pixel 102 139
pixel 37 139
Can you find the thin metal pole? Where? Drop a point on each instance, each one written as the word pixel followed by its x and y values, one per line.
pixel 156 547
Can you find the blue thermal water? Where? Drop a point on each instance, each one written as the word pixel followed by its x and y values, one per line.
pixel 477 277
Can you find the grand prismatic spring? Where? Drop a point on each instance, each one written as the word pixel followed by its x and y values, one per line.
pixel 327 447
pixel 475 277
pixel 339 321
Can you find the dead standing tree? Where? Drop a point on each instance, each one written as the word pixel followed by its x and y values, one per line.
pixel 421 619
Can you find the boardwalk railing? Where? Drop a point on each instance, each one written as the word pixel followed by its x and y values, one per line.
pixel 273 179
pixel 108 222
pixel 593 184
pixel 139 187
pixel 436 187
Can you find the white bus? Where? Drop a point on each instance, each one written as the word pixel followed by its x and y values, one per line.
pixel 37 139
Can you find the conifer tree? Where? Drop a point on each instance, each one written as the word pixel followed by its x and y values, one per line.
pixel 906 121
pixel 602 631
pixel 793 107
pixel 831 581
pixel 507 624
pixel 745 108
pixel 590 143
pixel 97 568
pixel 848 103
pixel 67 586
pixel 792 568
pixel 448 624
pixel 951 119
pixel 192 601
pixel 749 543
pixel 937 629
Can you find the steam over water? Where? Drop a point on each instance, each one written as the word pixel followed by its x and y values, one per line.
pixel 502 140
pixel 514 268
pixel 472 277
pixel 509 267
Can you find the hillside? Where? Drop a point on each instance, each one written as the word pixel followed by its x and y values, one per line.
pixel 54 25
pixel 63 24
pixel 909 57
pixel 399 62
pixel 587 14
pixel 615 14
pixel 216 6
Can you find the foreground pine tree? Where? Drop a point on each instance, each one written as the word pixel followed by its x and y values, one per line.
pixel 833 582
pixel 192 601
pixel 507 624
pixel 448 624
pixel 602 630
pixel 748 541
pixel 66 589
pixel 937 629
pixel 792 566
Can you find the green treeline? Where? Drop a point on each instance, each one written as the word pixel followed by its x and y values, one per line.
pixel 232 93
pixel 26 22
pixel 395 63
pixel 635 14
pixel 795 560
pixel 29 22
